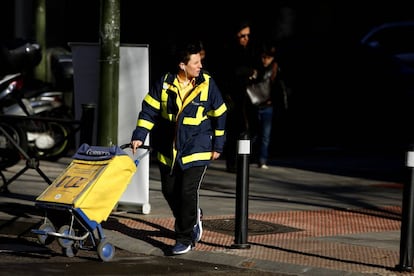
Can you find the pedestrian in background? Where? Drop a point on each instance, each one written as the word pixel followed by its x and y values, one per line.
pixel 240 55
pixel 267 71
pixel 185 113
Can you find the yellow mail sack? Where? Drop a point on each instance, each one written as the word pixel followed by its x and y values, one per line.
pixel 93 186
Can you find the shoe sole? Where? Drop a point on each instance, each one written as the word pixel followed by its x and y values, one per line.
pixel 183 252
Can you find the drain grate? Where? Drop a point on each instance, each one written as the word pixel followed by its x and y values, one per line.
pixel 255 227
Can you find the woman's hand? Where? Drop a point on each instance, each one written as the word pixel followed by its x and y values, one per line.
pixel 215 155
pixel 135 144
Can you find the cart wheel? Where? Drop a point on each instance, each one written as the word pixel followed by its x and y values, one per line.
pixel 65 230
pixel 70 251
pixel 46 239
pixel 106 251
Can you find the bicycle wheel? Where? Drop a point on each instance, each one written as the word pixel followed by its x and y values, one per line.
pixel 9 153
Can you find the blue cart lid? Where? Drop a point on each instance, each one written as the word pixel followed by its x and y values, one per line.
pixel 97 153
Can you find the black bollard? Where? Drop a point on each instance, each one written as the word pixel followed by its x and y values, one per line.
pixel 242 194
pixel 87 121
pixel 407 223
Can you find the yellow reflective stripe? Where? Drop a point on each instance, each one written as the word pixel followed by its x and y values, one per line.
pixel 204 92
pixel 145 124
pixel 204 87
pixel 164 159
pixel 174 157
pixel 164 103
pixel 196 157
pixel 191 96
pixel 169 117
pixel 218 132
pixel 152 102
pixel 179 92
pixel 218 112
pixel 197 120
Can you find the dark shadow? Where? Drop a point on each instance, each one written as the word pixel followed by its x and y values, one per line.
pixel 334 194
pixel 19 210
pixel 147 236
pixel 26 248
pixel 376 165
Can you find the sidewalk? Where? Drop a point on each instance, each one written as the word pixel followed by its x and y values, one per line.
pixel 315 214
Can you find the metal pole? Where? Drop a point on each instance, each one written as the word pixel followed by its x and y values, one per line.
pixel 407 222
pixel 109 73
pixel 242 194
pixel 41 69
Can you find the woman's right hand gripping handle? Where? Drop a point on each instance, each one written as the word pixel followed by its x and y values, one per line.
pixel 135 144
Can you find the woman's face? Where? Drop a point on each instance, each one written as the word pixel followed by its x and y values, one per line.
pixel 266 60
pixel 193 67
pixel 243 36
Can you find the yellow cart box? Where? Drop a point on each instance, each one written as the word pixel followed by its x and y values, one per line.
pixel 94 181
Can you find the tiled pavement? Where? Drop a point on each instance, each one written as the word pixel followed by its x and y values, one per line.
pixel 301 221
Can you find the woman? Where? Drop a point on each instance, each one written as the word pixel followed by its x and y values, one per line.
pixel 186 115
pixel 267 70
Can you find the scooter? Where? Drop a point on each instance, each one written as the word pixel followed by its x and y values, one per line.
pixel 37 116
pixel 45 135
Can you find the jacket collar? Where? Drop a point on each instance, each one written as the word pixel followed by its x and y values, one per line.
pixel 171 77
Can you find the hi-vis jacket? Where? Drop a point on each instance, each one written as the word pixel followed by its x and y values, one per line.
pixel 185 131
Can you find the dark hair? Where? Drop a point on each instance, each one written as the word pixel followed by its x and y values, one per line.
pixel 184 50
pixel 241 25
pixel 268 50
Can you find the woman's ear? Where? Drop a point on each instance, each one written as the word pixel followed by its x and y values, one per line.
pixel 182 66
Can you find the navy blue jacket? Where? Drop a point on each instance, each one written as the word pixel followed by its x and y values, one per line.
pixel 183 132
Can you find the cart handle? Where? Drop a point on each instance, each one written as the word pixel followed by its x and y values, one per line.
pixel 129 145
pixel 136 161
